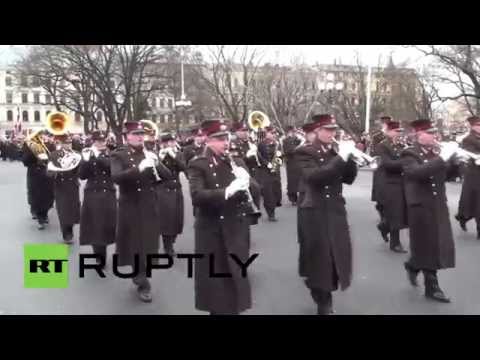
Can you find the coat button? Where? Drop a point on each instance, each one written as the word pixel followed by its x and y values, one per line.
pixel 326 187
pixel 131 159
pixel 321 159
pixel 104 190
pixel 434 193
pixel 211 165
pixel 217 185
pixel 327 196
pixel 425 161
pixel 222 217
pixel 433 185
pixel 214 174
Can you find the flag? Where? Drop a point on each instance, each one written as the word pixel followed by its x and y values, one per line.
pixel 18 124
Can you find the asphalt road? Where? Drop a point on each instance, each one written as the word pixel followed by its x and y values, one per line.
pixel 379 281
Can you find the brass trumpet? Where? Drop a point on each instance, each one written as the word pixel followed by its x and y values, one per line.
pixel 361 158
pixel 460 153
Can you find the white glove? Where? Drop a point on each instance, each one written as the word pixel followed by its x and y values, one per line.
pixel 96 152
pixel 240 173
pixel 43 156
pixel 145 164
pixel 236 186
pixel 345 149
pixel 172 153
pixel 252 151
pixel 162 153
pixel 448 150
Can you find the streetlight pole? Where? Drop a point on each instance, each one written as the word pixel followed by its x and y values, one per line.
pixel 182 104
pixel 367 115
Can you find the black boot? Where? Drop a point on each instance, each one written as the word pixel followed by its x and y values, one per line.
pixel 271 216
pixel 384 230
pixel 168 242
pixel 144 291
pixel 462 222
pixel 395 244
pixel 67 233
pixel 324 302
pixel 411 274
pixel 432 289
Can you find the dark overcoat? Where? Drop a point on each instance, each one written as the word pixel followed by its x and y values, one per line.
pixel 325 246
pixel 293 171
pixel 138 205
pixel 98 218
pixel 391 192
pixel 431 239
pixel 67 193
pixel 469 204
pixel 41 196
pixel 221 228
pixel 170 197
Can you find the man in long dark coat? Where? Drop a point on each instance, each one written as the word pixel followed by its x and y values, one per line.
pixel 390 183
pixel 222 226
pixel 377 138
pixel 469 204
pixel 170 193
pixel 134 171
pixel 290 143
pixel 431 240
pixel 268 173
pixel 39 185
pixel 98 216
pixel 325 259
pixel 66 187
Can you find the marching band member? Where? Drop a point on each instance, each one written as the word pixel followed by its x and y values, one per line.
pixel 268 173
pixel 325 258
pixel 377 138
pixel 192 150
pixel 98 216
pixel 431 240
pixel 136 172
pixel 63 167
pixel 469 204
pixel 391 192
pixel 170 194
pixel 39 185
pixel 290 143
pixel 222 228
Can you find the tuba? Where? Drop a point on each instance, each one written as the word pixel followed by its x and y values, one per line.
pixel 58 123
pixel 36 145
pixel 257 120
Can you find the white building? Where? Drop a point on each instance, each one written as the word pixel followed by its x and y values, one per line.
pixel 24 99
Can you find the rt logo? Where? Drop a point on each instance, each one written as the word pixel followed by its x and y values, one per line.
pixel 46 266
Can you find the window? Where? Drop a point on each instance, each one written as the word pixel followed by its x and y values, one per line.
pixel 162 103
pixel 313 85
pixel 170 103
pixel 162 119
pixel 36 98
pixel 154 102
pixel 35 81
pixel 23 81
pixel 8 81
pixel 99 116
pixel 25 116
pixel 78 117
pixel 9 115
pixel 63 100
pixel 24 98
pixel 9 97
pixel 48 99
pixel 37 116
pixel 47 112
pixel 170 118
pixel 154 118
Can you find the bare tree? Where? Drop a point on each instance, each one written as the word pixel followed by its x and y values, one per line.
pixel 116 79
pixel 458 67
pixel 228 77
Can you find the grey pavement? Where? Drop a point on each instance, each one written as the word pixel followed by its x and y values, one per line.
pixel 379 281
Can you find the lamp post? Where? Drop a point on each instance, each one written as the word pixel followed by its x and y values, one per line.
pixel 182 104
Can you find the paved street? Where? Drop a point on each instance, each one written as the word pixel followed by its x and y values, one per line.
pixel 379 284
